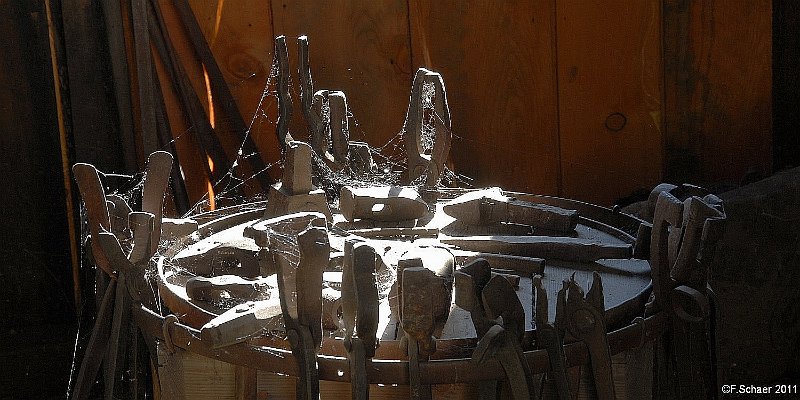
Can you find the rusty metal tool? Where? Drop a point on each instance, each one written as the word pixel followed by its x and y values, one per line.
pixel 360 311
pixel 94 199
pixel 668 213
pixel 311 101
pixel 441 263
pixel 211 288
pixel 118 211
pixel 128 270
pixel 97 346
pixel 325 112
pixel 680 268
pixel 300 266
pixel 156 182
pixel 276 234
pixel 503 340
pixel 703 226
pixel 427 93
pixel 284 95
pixel 418 324
pixel 132 289
pixel 295 192
pixel 236 255
pixel 490 206
pixel 469 282
pixel 241 322
pixel 551 339
pixel 585 320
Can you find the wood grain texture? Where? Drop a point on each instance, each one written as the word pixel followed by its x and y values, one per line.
pixel 609 61
pixel 360 48
pixel 186 144
pixel 185 375
pixel 718 104
pixel 239 34
pixel 498 65
pixel 272 386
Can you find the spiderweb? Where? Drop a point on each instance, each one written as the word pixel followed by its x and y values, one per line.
pixel 389 163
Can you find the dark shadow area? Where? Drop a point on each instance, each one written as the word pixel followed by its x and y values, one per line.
pixel 786 83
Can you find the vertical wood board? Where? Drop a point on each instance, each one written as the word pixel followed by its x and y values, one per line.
pixel 610 97
pixel 718 101
pixel 240 37
pixel 498 64
pixel 360 48
pixel 186 375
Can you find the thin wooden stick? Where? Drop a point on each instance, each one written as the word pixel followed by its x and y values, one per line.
pixel 62 139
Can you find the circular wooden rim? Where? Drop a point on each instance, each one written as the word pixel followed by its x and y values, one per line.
pixel 436 371
pixel 621 226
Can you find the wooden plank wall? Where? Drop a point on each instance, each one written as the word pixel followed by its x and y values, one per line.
pixel 498 64
pixel 609 94
pixel 589 100
pixel 718 98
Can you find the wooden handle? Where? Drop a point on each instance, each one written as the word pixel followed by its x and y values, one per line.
pixel 156 181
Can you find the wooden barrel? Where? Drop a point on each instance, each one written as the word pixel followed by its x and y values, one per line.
pixel 262 366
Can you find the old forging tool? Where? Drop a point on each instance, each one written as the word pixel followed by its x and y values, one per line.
pixel 211 288
pixel 236 255
pixel 325 112
pixel 551 338
pixel 428 102
pixel 418 324
pixel 469 281
pixel 547 247
pixel 295 192
pixel 425 293
pixel 360 311
pixel 472 281
pixel 491 206
pixel 284 95
pixel 584 319
pixel 145 225
pixel 381 203
pixel 298 244
pixel 94 199
pixel 685 234
pixel 241 322
pixel 503 340
pixel 128 270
